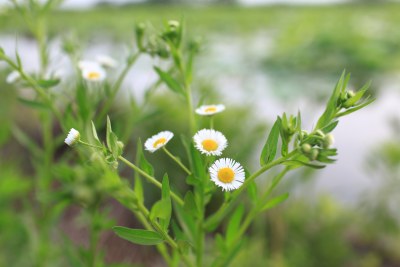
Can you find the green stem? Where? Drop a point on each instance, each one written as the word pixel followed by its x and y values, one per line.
pixel 39 90
pixel 90 145
pixel 116 87
pixel 177 161
pixel 227 206
pixel 94 236
pixel 211 122
pixel 253 214
pixel 150 178
pixel 164 234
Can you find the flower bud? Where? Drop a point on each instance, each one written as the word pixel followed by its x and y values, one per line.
pixel 314 154
pixel 139 31
pixel 120 145
pixel 306 148
pixel 173 25
pixel 328 140
pixel 320 133
pixel 83 194
pixel 73 137
pixel 350 94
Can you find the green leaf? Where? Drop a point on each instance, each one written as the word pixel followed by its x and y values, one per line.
pixel 234 224
pixel 297 163
pixel 330 127
pixel 170 81
pixel 138 236
pixel 190 205
pixel 197 163
pixel 33 104
pixel 353 100
pixel 166 198
pixel 186 221
pixel 83 103
pixel 109 133
pixel 48 83
pixel 269 151
pixel 351 110
pixel 331 106
pixel 94 133
pixel 252 191
pixel 275 201
pixel 142 161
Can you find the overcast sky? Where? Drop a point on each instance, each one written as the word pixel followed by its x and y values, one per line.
pixel 89 3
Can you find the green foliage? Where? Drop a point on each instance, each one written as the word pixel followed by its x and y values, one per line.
pixel 138 236
pixel 184 230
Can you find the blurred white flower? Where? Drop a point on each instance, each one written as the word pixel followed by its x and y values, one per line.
pixel 94 74
pixel 13 77
pixel 106 61
pixel 158 141
pixel 73 137
pixel 207 110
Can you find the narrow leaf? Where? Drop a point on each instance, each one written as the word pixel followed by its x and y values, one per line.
pixel 275 201
pixel 170 81
pixel 269 151
pixel 33 104
pixel 331 106
pixel 48 83
pixel 94 133
pixel 296 163
pixel 351 110
pixel 138 236
pixel 234 224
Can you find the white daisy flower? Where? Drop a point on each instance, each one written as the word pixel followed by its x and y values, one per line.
pixel 227 173
pixel 73 137
pixel 13 77
pixel 106 61
pixel 94 74
pixel 157 141
pixel 208 110
pixel 210 142
pixel 88 64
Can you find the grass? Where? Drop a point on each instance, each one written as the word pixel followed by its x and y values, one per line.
pixel 119 21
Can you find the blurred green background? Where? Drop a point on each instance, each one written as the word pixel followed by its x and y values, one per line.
pixel 259 60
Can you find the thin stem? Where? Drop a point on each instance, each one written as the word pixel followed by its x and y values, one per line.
pixel 253 213
pixel 150 178
pixel 90 145
pixel 211 122
pixel 116 87
pixel 39 90
pixel 164 234
pixel 177 161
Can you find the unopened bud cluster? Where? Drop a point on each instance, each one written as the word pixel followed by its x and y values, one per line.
pixel 313 143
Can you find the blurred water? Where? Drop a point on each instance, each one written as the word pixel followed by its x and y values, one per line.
pixel 236 71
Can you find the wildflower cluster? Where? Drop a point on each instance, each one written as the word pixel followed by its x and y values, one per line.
pixel 177 223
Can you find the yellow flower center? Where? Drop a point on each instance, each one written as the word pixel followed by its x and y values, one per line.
pixel 93 75
pixel 210 145
pixel 226 175
pixel 160 141
pixel 210 109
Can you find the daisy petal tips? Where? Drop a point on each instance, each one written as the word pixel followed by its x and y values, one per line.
pixel 210 142
pixel 208 110
pixel 106 61
pixel 158 141
pixel 73 137
pixel 227 173
pixel 94 74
